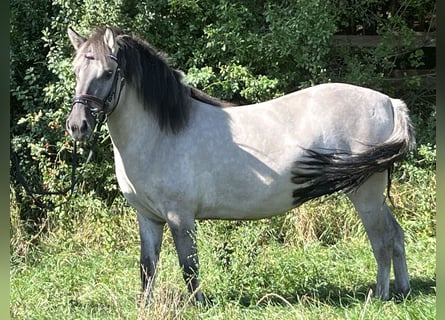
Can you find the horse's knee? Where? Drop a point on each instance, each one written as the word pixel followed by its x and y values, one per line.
pixel 189 264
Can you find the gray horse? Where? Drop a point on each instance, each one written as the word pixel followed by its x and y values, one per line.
pixel 180 156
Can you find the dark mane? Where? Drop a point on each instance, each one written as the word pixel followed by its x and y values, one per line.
pixel 204 97
pixel 200 95
pixel 158 85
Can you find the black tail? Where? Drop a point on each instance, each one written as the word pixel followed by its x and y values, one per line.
pixel 324 173
pixel 327 171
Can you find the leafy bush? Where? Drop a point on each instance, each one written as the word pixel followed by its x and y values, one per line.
pixel 233 79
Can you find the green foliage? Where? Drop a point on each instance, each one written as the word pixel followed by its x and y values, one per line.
pixel 371 67
pixel 233 79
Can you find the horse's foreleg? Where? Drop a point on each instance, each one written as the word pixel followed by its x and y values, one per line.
pixel 151 238
pixel 185 242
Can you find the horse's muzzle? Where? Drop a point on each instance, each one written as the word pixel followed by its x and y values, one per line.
pixel 80 123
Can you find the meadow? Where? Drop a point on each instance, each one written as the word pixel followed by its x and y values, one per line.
pixel 315 262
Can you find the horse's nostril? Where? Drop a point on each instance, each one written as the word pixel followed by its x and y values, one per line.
pixel 84 126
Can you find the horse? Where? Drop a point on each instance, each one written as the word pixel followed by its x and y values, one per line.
pixel 182 156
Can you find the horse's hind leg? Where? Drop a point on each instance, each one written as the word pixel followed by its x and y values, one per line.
pixel 151 239
pixel 402 285
pixel 384 233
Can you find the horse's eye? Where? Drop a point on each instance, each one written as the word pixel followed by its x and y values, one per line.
pixel 108 73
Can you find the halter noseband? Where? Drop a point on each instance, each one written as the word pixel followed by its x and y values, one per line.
pixel 101 107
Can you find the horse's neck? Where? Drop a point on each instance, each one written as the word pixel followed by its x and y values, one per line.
pixel 131 127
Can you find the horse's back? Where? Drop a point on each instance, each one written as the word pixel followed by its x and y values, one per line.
pixel 332 116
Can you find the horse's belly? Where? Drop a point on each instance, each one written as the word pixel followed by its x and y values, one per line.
pixel 249 211
pixel 233 199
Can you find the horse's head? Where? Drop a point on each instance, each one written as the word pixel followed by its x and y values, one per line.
pixel 98 81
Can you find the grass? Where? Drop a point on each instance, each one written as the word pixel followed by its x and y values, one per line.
pixel 314 263
pixel 288 283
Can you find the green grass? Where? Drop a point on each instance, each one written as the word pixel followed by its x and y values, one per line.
pixel 82 262
pixel 90 271
pixel 288 283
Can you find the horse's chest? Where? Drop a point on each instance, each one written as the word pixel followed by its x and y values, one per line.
pixel 135 186
pixel 127 186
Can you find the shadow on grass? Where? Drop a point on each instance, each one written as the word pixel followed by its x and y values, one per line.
pixel 335 296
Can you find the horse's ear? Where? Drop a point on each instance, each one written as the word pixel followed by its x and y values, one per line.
pixel 76 39
pixel 110 41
